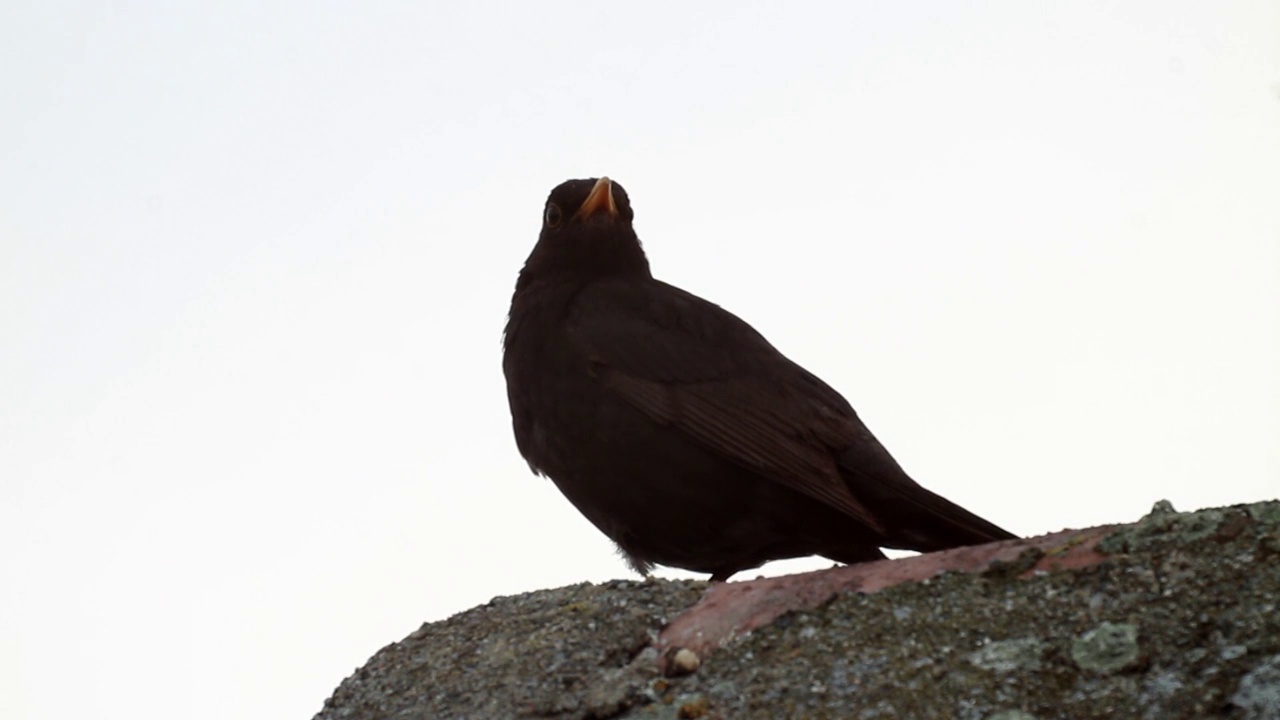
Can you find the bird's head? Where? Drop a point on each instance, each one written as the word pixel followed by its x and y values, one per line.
pixel 587 232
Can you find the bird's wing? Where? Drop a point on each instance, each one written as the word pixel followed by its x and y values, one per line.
pixel 699 369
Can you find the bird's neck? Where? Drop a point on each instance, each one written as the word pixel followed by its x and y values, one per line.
pixel 577 263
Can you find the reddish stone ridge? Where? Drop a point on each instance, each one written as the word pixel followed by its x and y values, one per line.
pixel 1170 616
pixel 731 609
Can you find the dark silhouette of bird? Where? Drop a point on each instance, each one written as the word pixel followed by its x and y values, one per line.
pixel 678 430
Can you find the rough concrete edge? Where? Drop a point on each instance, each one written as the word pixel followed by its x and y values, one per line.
pixel 730 610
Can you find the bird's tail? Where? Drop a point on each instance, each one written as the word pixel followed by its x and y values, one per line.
pixel 924 521
pixel 912 517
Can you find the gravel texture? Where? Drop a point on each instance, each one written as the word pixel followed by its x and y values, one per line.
pixel 1178 620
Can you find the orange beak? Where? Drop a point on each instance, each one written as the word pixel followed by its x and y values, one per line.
pixel 601 198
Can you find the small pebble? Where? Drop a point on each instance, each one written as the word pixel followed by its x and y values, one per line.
pixel 684 662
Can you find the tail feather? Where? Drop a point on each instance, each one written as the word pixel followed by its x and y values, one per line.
pixel 924 521
pixel 915 518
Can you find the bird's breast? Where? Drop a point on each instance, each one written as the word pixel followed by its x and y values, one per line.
pixel 549 387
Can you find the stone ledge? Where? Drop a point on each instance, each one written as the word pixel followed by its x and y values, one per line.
pixel 1172 616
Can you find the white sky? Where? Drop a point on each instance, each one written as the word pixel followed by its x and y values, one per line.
pixel 255 262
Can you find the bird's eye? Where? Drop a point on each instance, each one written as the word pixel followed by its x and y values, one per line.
pixel 553 215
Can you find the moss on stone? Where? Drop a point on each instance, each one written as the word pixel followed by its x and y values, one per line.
pixel 1181 621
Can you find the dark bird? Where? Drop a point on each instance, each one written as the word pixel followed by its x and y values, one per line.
pixel 678 430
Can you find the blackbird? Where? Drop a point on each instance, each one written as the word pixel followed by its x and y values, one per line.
pixel 678 430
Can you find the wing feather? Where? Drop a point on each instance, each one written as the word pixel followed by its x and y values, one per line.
pixel 710 375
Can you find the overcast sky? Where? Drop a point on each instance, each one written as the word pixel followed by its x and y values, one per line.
pixel 256 258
